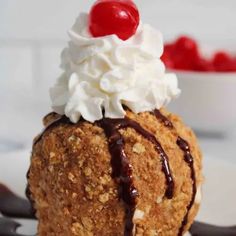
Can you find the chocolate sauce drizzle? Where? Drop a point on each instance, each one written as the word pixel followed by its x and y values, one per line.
pixel 163 119
pixel 184 146
pixel 122 168
pixel 188 158
pixel 121 171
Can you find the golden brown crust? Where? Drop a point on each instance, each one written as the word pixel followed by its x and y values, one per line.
pixel 70 180
pixel 50 117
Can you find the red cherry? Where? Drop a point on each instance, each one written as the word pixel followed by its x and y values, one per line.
pixel 182 63
pixel 120 17
pixel 233 68
pixel 203 65
pixel 222 61
pixel 167 56
pixel 186 53
pixel 186 45
pixel 168 48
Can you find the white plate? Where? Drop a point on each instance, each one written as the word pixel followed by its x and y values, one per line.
pixel 219 191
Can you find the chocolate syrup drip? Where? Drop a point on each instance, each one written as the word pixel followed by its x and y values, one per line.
pixel 163 119
pixel 123 170
pixel 184 146
pixel 128 123
pixel 190 161
pixel 12 205
pixel 202 229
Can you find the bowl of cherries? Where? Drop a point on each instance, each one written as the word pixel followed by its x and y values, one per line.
pixel 208 83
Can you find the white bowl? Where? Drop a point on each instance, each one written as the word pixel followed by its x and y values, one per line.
pixel 208 100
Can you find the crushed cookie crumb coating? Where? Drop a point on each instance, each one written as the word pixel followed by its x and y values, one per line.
pixel 74 193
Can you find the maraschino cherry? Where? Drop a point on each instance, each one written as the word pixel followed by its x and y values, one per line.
pixel 222 61
pixel 120 17
pixel 184 54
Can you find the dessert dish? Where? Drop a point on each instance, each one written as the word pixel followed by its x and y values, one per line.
pixel 111 159
pixel 185 54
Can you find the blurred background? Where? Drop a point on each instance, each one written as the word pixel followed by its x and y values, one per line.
pixel 32 36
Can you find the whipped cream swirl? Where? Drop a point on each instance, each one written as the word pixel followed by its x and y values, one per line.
pixel 102 74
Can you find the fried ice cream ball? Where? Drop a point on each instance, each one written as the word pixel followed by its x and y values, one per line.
pixel 74 190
